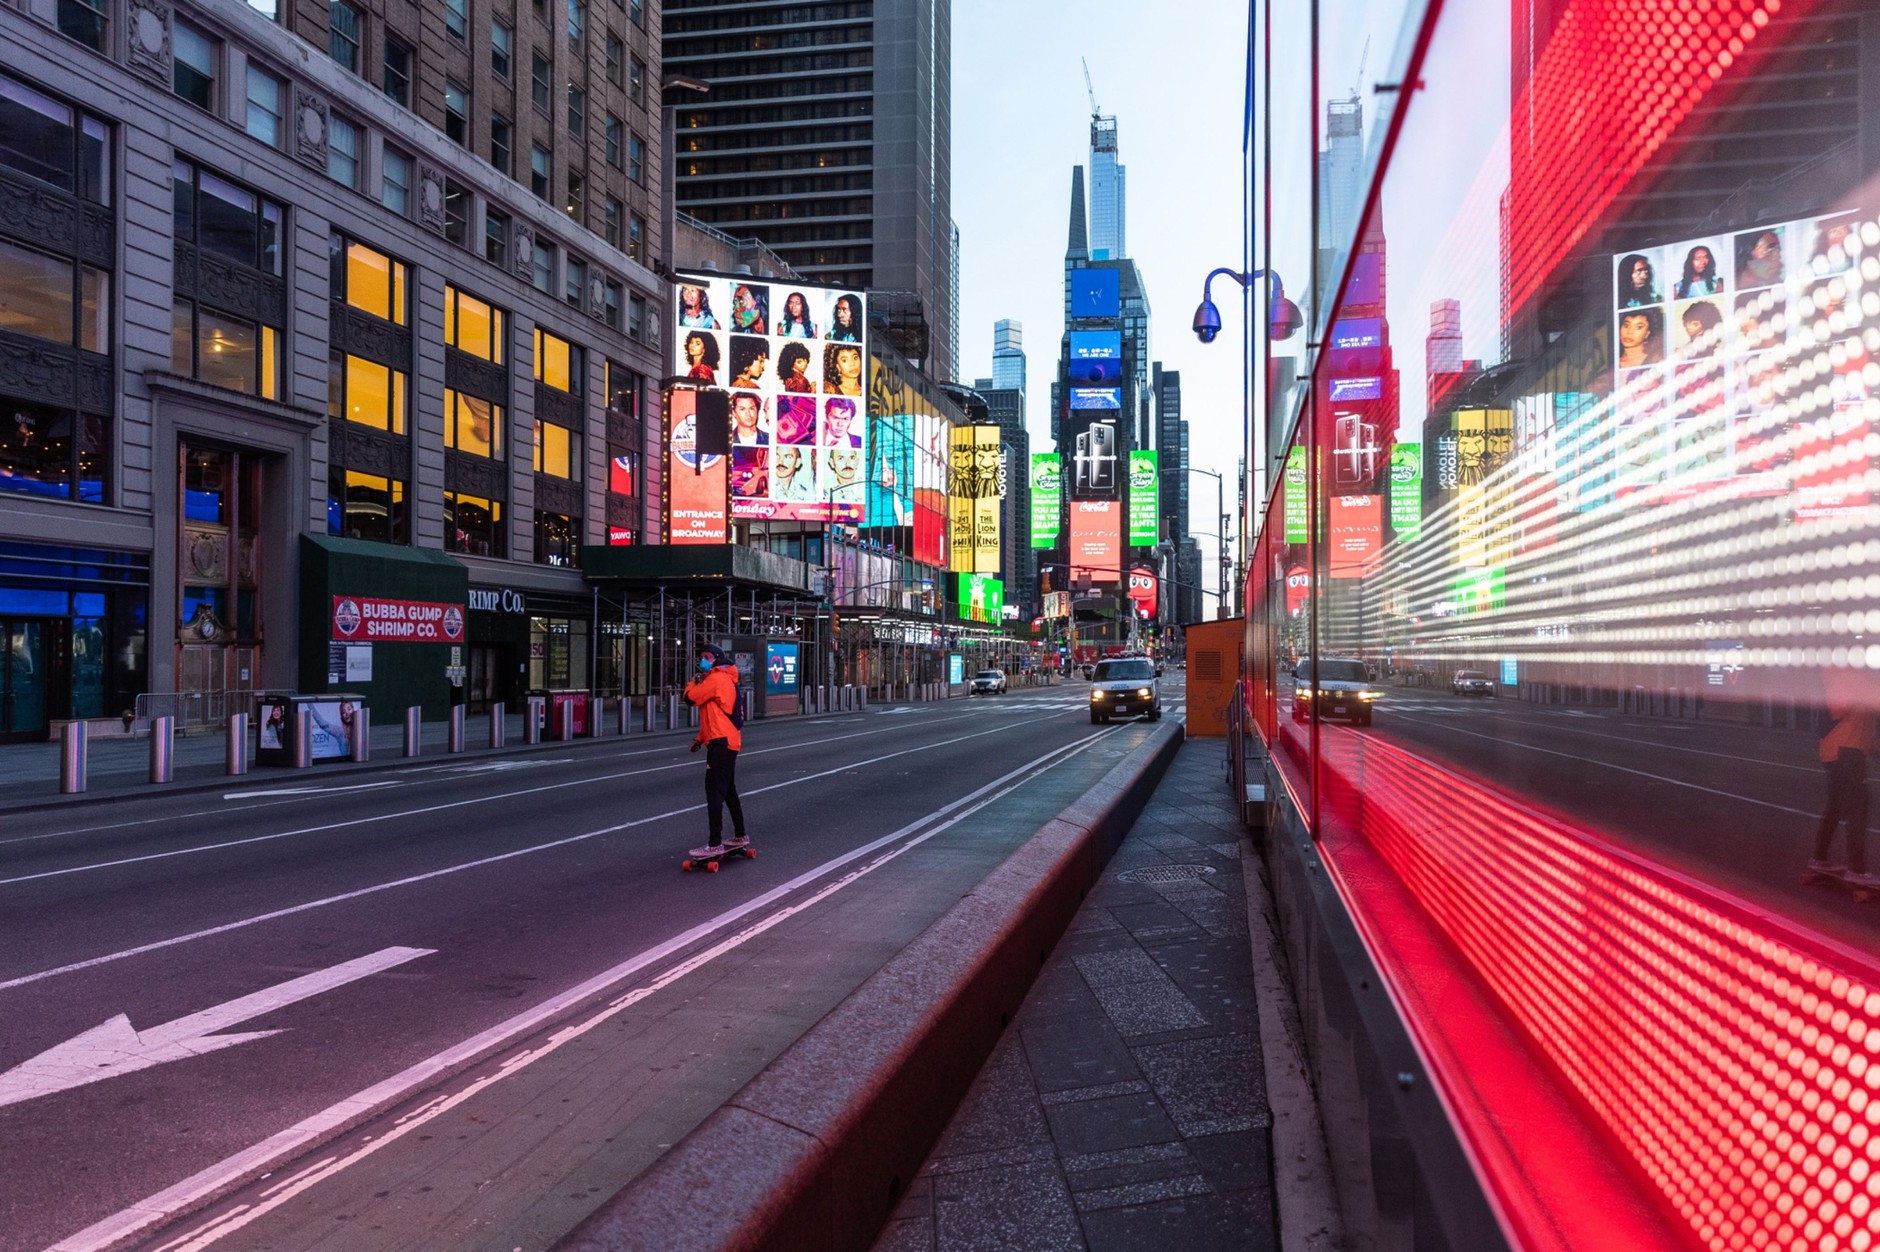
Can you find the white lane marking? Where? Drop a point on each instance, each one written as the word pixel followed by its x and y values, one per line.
pixel 436 808
pixel 310 791
pixel 114 1048
pixel 1593 760
pixel 285 1143
pixel 341 898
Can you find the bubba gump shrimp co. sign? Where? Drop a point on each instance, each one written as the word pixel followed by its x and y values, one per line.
pixel 373 619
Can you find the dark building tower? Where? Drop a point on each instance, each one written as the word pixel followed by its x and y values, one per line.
pixel 826 134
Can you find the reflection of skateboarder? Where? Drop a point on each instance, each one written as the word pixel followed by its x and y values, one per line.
pixel 1847 742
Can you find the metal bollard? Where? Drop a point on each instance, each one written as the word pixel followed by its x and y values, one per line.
pixel 496 724
pixel 414 730
pixel 626 714
pixel 646 707
pixel 162 749
pixel 453 735
pixel 597 712
pixel 564 721
pixel 235 755
pixel 362 734
pixel 532 713
pixel 74 757
pixel 864 703
pixel 303 737
pixel 672 711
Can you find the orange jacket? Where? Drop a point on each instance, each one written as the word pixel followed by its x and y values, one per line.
pixel 716 694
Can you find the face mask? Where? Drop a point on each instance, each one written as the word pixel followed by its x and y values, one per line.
pixel 704 665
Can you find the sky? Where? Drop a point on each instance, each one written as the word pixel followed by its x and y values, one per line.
pixel 1173 76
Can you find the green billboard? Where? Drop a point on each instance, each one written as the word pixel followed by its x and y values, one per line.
pixel 979 598
pixel 1047 482
pixel 1293 489
pixel 1406 491
pixel 1145 494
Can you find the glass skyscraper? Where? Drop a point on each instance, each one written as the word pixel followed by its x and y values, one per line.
pixel 1108 201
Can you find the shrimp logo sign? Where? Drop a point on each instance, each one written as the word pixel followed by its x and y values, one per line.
pixel 453 622
pixel 375 620
pixel 345 619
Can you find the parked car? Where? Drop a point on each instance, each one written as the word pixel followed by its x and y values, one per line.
pixel 988 682
pixel 1122 686
pixel 1342 689
pixel 1472 682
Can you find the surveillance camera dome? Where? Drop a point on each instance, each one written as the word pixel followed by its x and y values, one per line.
pixel 1207 322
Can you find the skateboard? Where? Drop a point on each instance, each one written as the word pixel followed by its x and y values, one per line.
pixel 710 863
pixel 1861 894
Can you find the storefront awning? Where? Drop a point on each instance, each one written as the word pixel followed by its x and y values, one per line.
pixel 680 565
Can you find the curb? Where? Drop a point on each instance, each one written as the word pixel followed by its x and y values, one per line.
pixel 815 1151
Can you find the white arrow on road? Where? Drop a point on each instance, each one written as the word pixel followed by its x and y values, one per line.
pixel 114 1048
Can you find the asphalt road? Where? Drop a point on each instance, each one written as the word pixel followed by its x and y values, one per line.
pixel 458 1004
pixel 1731 805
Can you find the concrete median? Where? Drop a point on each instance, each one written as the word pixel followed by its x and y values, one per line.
pixel 815 1151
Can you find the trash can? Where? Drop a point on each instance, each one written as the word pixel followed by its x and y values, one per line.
pixel 556 699
pixel 330 722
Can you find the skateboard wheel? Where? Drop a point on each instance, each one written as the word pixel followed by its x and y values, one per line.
pixel 711 867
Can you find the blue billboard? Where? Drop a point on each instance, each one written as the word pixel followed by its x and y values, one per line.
pixel 1096 356
pixel 1096 398
pixel 780 669
pixel 1357 389
pixel 1096 293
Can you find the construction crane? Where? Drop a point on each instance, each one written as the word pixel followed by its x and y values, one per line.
pixel 1090 89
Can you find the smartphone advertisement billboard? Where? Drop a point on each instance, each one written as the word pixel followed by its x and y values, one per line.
pixel 1047 497
pixel 1096 546
pixel 1144 498
pixel 694 493
pixel 794 359
pixel 1096 458
pixel 977 485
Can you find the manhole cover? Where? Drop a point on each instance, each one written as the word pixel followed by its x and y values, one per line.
pixel 1165 873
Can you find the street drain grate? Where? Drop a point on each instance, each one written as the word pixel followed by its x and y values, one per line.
pixel 1165 873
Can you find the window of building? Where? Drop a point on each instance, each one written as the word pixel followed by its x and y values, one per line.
pixel 499 144
pixel 577 22
pixel 577 194
pixel 54 298
pixel 610 140
pixel 610 303
pixel 473 426
pixel 636 12
pixel 397 75
pixel 345 34
pixel 557 539
pixel 457 113
pixel 541 75
pixel 473 326
pixel 502 41
pixel 559 363
pixel 636 81
pixel 44 450
pixel 225 351
pixel 557 450
pixel 228 220
pixel 456 20
pixel 616 52
pixel 52 143
pixel 539 169
pixel 457 213
pixel 542 267
pixel 368 280
pixel 636 317
pixel 575 282
pixel 636 238
pixel 87 21
pixel 610 221
pixel 342 151
pixel 365 392
pixel 366 506
pixel 267 105
pixel 395 181
pixel 193 77
pixel 473 524
pixel 496 237
pixel 636 158
pixel 577 112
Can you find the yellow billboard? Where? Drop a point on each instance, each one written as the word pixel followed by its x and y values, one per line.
pixel 976 487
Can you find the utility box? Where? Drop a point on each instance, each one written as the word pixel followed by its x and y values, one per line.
pixel 1215 662
pixel 331 724
pixel 769 670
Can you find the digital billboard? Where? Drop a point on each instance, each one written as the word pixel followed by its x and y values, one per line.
pixel 1096 293
pixel 694 488
pixel 1293 486
pixel 1406 491
pixel 1096 470
pixel 976 486
pixel 1142 590
pixel 1355 528
pixel 979 597
pixel 1096 356
pixel 1357 389
pixel 1096 398
pixel 1356 452
pixel 1144 498
pixel 1357 333
pixel 1047 496
pixel 780 669
pixel 793 358
pixel 1096 543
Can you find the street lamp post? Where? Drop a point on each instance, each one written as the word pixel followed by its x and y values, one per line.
pixel 1220 511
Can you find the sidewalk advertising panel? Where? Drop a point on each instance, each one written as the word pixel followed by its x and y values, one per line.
pixel 1144 497
pixel 975 489
pixel 780 672
pixel 793 358
pixel 329 726
pixel 1096 546
pixel 694 487
pixel 979 598
pixel 1047 491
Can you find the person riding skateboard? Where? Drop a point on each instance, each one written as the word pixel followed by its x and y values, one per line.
pixel 715 692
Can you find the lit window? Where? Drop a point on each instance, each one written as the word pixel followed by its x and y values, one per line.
pixel 636 238
pixel 225 351
pixel 368 280
pixel 577 195
pixel 559 363
pixel 368 393
pixel 474 326
pixel 473 524
pixel 557 450
pixel 472 426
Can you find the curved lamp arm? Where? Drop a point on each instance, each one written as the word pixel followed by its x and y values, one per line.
pixel 1283 316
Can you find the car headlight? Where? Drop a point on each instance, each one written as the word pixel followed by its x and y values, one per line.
pixel 1096 695
pixel 1368 696
pixel 1143 692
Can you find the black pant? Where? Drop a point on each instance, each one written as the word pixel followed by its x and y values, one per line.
pixel 1847 801
pixel 721 789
